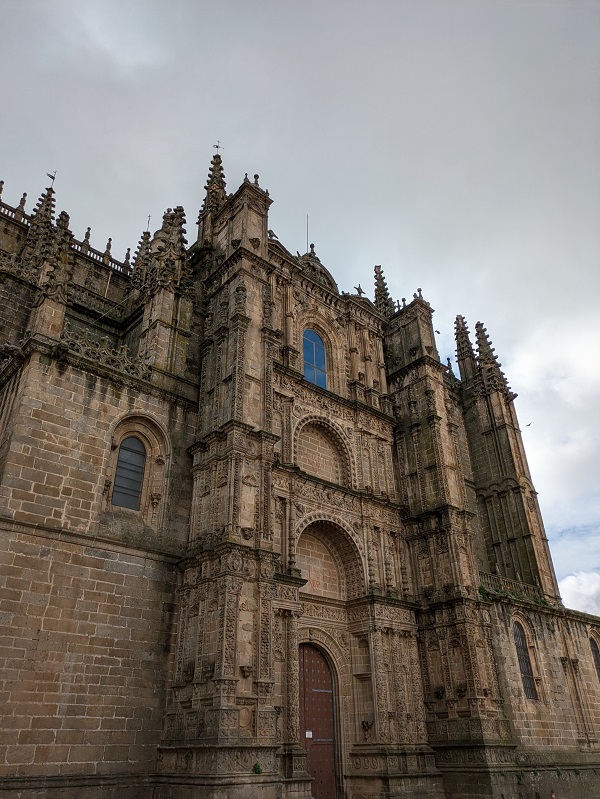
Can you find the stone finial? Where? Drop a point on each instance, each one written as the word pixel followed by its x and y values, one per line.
pixel 85 244
pixel 63 220
pixel 106 255
pixel 127 259
pixel 1 188
pixel 20 213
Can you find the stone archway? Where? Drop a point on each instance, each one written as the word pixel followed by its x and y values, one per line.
pixel 330 561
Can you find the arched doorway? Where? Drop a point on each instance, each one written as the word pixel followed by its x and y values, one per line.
pixel 317 721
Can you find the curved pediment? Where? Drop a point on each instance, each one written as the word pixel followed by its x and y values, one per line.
pixel 314 269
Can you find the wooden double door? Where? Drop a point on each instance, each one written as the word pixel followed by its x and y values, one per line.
pixel 317 721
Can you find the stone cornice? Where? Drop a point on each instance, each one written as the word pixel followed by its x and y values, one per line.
pixel 354 405
pixel 51 348
pixel 12 527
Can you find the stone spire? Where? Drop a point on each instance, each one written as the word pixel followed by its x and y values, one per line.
pixel 383 301
pixel 216 193
pixel 141 263
pixel 488 363
pixel 464 350
pixel 41 240
pixel 216 196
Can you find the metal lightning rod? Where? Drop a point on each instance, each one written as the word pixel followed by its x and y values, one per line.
pixel 306 232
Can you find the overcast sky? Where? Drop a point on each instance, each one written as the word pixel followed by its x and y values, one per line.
pixel 455 143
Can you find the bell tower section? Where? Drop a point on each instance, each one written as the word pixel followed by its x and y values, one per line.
pixel 515 543
pixel 461 689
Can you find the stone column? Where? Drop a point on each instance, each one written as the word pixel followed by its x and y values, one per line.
pixel 292 731
pixel 370 562
pixel 353 351
pixel 240 323
pixel 225 674
pixel 291 521
pixel 378 670
pixel 416 688
pixel 388 563
pixel 398 672
pixel 294 756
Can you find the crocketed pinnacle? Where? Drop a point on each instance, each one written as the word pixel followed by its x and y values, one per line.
pixel 43 241
pixel 485 351
pixel 488 362
pixel 171 256
pixel 162 260
pixel 216 193
pixel 44 209
pixel 141 262
pixel 464 350
pixel 383 301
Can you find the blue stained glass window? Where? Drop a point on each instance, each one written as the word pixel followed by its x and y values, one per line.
pixel 129 475
pixel 315 365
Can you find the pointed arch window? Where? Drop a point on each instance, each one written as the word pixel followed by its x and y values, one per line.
pixel 315 363
pixel 129 474
pixel 595 655
pixel 527 675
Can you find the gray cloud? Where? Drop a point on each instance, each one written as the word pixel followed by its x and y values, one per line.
pixel 582 591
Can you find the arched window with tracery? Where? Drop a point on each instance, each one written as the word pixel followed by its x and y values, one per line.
pixel 315 361
pixel 527 675
pixel 595 655
pixel 129 474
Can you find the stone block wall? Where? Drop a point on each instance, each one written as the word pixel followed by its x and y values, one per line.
pixel 16 302
pixel 318 455
pixel 567 709
pixel 85 633
pixel 57 469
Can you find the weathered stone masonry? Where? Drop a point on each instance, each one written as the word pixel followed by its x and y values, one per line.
pixel 194 496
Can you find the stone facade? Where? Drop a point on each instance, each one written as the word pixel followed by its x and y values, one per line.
pixel 361 501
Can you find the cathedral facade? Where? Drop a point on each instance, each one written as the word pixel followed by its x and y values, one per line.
pixel 258 542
